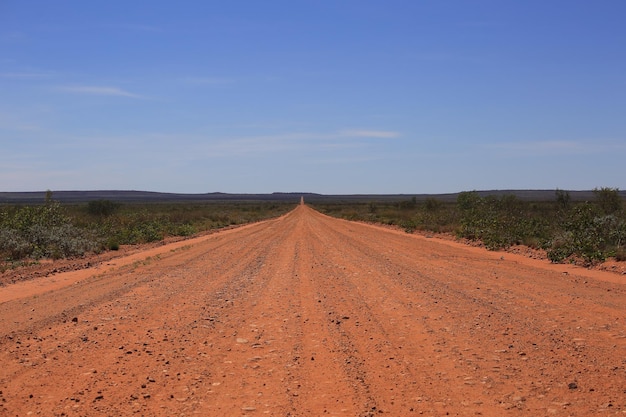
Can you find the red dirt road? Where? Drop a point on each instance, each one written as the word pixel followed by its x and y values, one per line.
pixel 307 315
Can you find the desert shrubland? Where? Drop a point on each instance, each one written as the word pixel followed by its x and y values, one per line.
pixel 590 231
pixel 53 230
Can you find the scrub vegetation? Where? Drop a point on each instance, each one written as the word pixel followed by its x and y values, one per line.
pixel 591 231
pixel 55 230
pixel 569 231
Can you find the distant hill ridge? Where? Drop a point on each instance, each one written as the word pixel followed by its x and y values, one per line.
pixel 34 197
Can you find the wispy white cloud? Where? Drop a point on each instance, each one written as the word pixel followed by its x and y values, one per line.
pixel 297 141
pixel 195 146
pixel 98 91
pixel 346 159
pixel 375 134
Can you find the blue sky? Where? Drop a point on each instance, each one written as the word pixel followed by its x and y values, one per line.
pixel 341 96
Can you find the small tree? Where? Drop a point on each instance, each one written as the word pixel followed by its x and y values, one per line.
pixel 432 204
pixel 563 199
pixel 608 199
pixel 467 200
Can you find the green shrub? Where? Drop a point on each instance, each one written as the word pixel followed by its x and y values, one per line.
pixel 113 244
pixel 409 226
pixel 564 228
pixel 184 230
pixel 47 230
pixel 498 222
pixel 589 234
pixel 42 232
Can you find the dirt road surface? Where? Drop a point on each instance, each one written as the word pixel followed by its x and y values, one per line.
pixel 306 315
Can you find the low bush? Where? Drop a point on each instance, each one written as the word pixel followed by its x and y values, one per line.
pixel 43 231
pixel 500 222
pixel 591 231
pixel 589 234
pixel 50 230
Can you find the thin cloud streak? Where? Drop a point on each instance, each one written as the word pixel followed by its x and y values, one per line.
pixel 374 134
pixel 295 141
pixel 197 146
pixel 99 91
pixel 342 160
